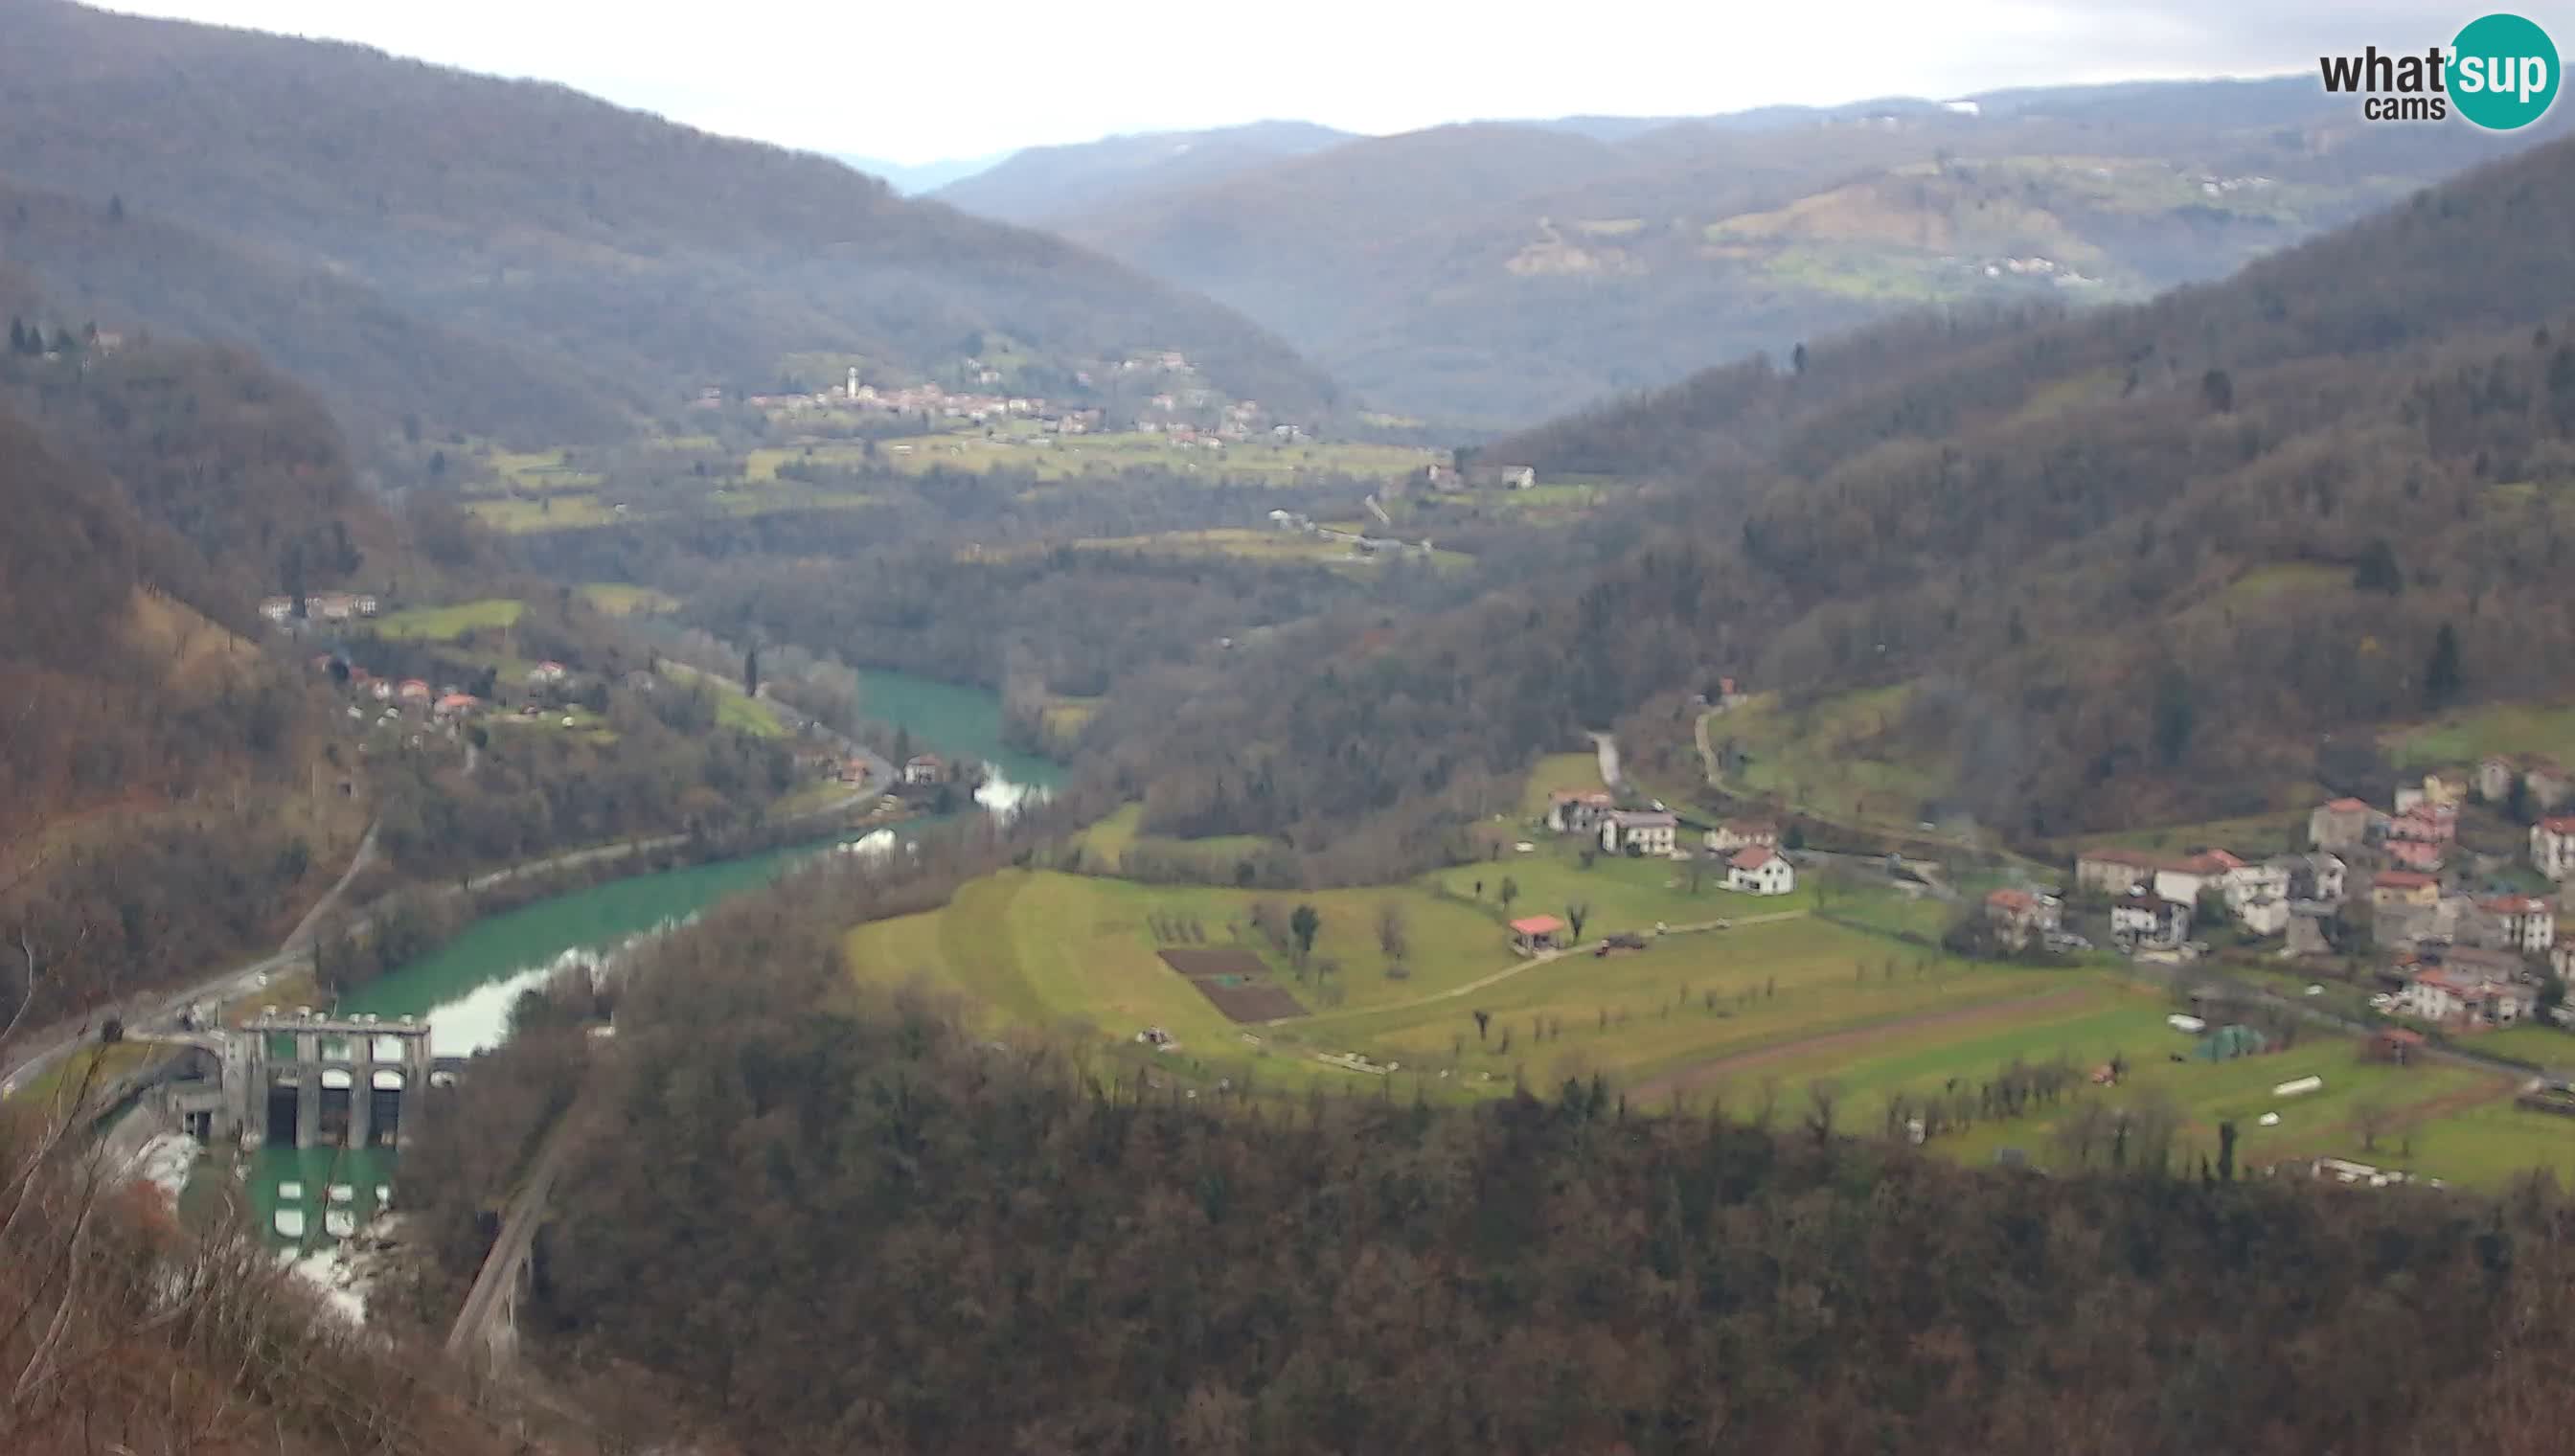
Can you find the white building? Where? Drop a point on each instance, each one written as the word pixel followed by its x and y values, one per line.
pixel 2267 916
pixel 2184 879
pixel 2552 846
pixel 1579 811
pixel 1761 871
pixel 2528 924
pixel 1735 834
pixel 1639 831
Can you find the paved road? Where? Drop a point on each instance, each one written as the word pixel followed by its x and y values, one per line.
pixel 301 934
pixel 518 1236
pixel 1607 748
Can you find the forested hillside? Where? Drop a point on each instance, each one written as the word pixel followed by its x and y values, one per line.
pixel 2122 566
pixel 1039 183
pixel 1507 271
pixel 837 1222
pixel 627 261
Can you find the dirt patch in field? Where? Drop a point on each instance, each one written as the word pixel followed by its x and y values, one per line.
pixel 1234 982
pixel 1690 1079
pixel 1195 964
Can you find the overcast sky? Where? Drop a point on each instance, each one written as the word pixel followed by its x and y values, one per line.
pixel 914 82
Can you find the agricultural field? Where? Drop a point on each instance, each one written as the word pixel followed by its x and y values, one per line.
pixel 1621 893
pixel 447 623
pixel 1050 458
pixel 514 515
pixel 1756 1014
pixel 618 598
pixel 1066 717
pixel 2540 1046
pixel 1686 1013
pixel 2487 1145
pixel 2463 738
pixel 1040 949
pixel 2254 836
pixel 1108 842
pixel 734 710
pixel 541 471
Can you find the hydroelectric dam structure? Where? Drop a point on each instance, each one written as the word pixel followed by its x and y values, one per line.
pixel 304 1080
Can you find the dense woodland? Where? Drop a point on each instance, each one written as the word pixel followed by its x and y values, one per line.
pixel 839 1221
pixel 365 216
pixel 2135 562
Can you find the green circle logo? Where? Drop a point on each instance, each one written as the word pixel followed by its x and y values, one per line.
pixel 2503 72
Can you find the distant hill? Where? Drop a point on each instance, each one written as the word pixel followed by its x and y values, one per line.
pixel 914 180
pixel 1507 270
pixel 2056 572
pixel 1040 183
pixel 629 260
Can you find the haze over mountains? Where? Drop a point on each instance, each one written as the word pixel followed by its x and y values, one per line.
pixel 518 258
pixel 1509 270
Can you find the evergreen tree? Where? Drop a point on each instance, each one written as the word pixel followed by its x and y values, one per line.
pixel 2218 387
pixel 750 672
pixel 2441 675
pixel 17 335
pixel 2377 570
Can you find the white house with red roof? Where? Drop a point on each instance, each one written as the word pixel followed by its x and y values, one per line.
pixel 2184 879
pixel 2528 922
pixel 923 769
pixel 2552 846
pixel 1761 871
pixel 2018 914
pixel 2453 996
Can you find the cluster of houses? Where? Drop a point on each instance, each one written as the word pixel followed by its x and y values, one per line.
pixel 2458 956
pixel 1749 848
pixel 1232 419
pixel 320 607
pixel 1443 476
pixel 392 698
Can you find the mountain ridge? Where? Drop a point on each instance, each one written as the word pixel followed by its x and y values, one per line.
pixel 609 244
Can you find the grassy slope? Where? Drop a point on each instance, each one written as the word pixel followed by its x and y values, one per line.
pixel 446 624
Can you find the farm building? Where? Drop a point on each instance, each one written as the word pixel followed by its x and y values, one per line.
pixel 1534 933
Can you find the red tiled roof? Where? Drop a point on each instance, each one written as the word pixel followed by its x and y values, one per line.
pixel 2347 805
pixel 2559 824
pixel 2403 879
pixel 1538 925
pixel 1752 858
pixel 2019 901
pixel 2513 905
pixel 2209 861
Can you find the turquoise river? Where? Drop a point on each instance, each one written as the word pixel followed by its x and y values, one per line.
pixel 465 988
